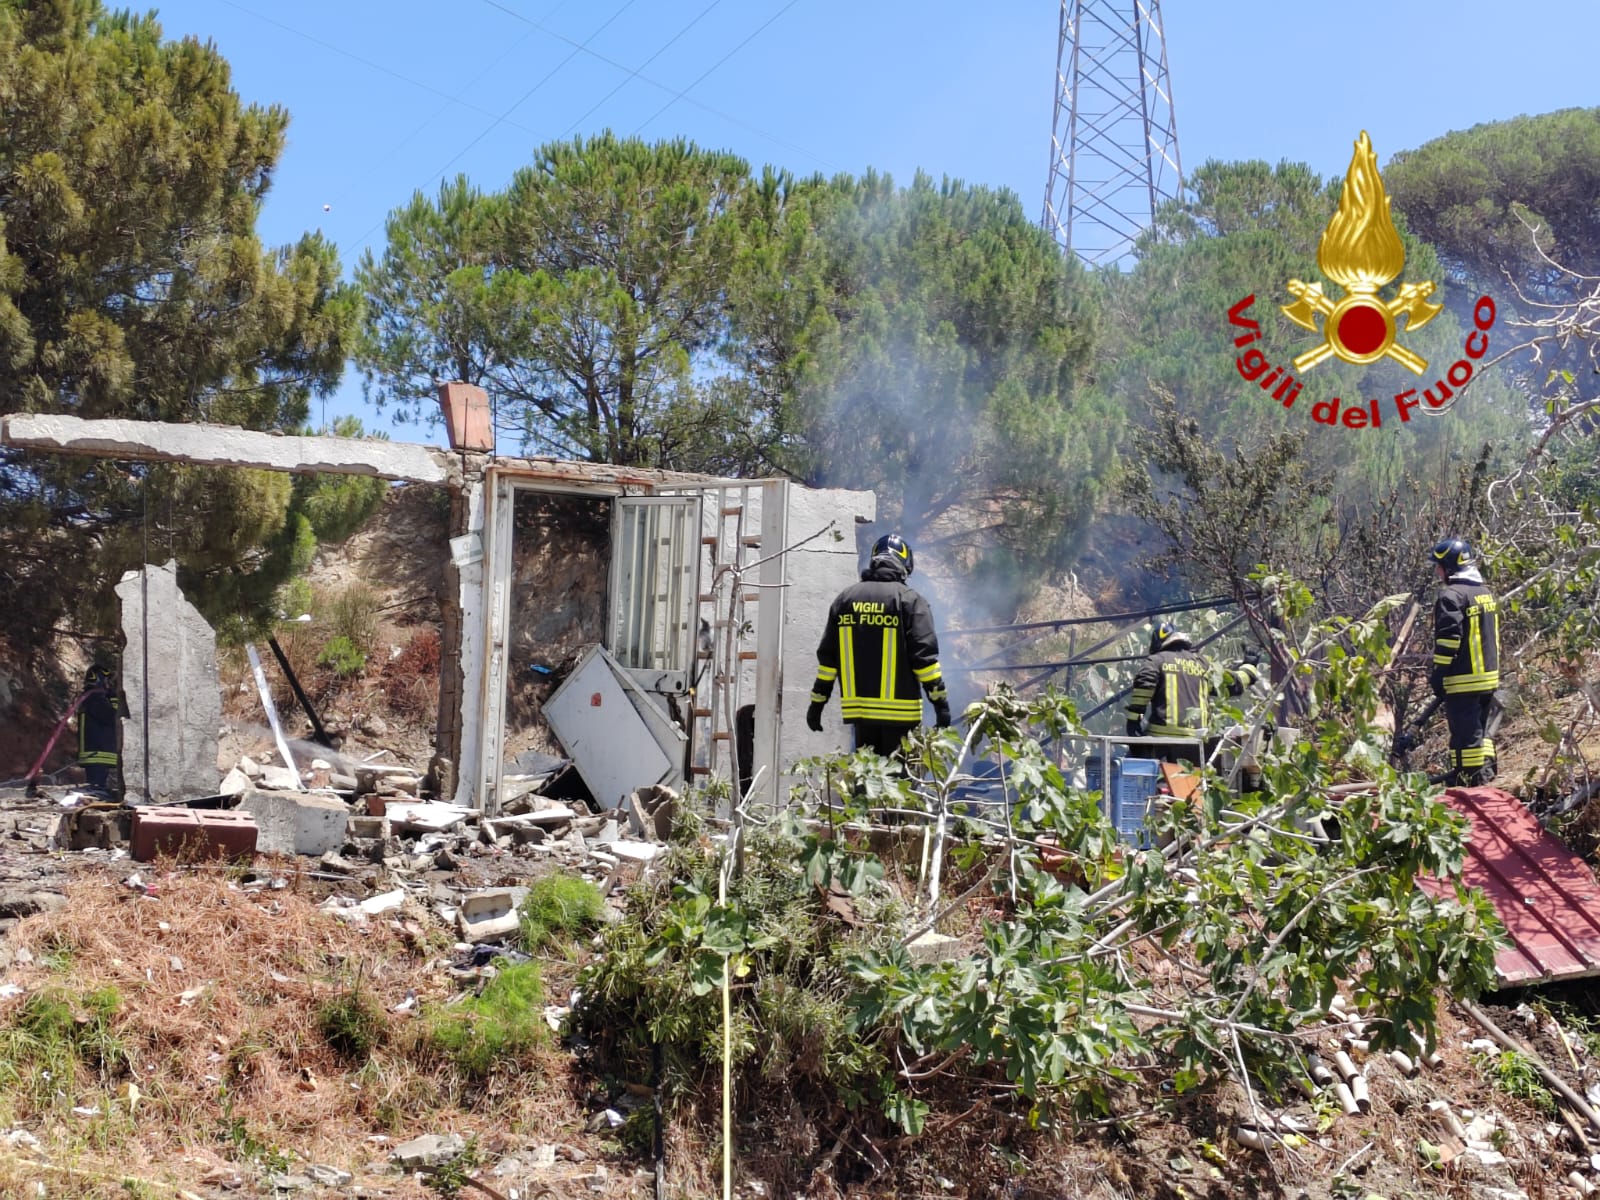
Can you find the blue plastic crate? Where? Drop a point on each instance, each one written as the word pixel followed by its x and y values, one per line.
pixel 1134 781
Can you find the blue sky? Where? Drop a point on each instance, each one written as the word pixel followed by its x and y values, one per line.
pixel 388 96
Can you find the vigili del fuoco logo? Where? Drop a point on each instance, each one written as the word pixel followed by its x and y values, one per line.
pixel 1361 252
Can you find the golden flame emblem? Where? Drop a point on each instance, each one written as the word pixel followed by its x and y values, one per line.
pixel 1361 252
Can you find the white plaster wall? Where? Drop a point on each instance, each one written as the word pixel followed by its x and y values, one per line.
pixel 468 553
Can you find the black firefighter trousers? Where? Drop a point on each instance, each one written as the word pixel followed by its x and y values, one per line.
pixel 1472 757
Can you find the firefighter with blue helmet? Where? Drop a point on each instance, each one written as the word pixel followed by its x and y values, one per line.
pixel 880 647
pixel 1466 660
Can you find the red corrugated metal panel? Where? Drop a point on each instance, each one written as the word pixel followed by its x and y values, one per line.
pixel 1545 894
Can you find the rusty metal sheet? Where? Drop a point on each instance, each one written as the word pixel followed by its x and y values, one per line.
pixel 1545 894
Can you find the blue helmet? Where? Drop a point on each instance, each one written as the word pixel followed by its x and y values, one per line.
pixel 892 545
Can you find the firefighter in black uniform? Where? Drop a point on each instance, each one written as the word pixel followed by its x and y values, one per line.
pixel 880 646
pixel 1466 660
pixel 1169 695
pixel 99 727
pixel 1171 691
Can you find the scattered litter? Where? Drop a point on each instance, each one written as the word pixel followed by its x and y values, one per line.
pixel 83 1110
pixel 9 991
pixel 193 994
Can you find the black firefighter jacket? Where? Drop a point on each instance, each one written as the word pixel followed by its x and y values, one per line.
pixel 1172 687
pixel 1466 639
pixel 880 645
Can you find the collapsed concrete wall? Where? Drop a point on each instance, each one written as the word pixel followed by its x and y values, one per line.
pixel 169 674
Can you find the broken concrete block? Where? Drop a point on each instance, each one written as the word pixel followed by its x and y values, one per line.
pixel 235 783
pixel 934 947
pixel 250 767
pixel 369 775
pixel 650 811
pixel 366 827
pixel 342 783
pixel 283 779
pixel 382 903
pixel 296 823
pixel 429 1150
pixel 489 915
pixel 429 816
pixel 169 674
pixel 634 851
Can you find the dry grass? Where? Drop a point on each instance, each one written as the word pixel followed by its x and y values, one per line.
pixel 232 1067
pixel 410 680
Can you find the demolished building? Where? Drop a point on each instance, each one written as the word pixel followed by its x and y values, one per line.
pixel 716 593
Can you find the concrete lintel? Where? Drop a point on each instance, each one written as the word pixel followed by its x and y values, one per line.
pixel 226 446
pixel 558 474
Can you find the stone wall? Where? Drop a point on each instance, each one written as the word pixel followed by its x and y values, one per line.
pixel 179 700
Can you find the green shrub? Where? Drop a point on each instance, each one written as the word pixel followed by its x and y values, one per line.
pixel 352 1023
pixel 295 597
pixel 559 904
pixel 343 656
pixel 353 613
pixel 501 1024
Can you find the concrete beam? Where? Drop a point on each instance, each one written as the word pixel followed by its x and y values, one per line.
pixel 226 446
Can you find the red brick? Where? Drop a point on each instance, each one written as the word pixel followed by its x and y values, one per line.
pixel 185 832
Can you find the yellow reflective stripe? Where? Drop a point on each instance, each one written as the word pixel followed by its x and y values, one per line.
pixel 98 757
pixel 816 699
pixel 1488 747
pixel 1449 643
pixel 908 711
pixel 847 661
pixel 1171 731
pixel 827 674
pixel 1485 681
pixel 1171 679
pixel 1443 660
pixel 938 693
pixel 889 651
pixel 1475 627
pixel 1142 693
pixel 927 674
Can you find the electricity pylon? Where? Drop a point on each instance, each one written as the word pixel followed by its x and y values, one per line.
pixel 1114 140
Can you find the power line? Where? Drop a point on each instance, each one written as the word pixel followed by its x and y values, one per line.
pixel 523 99
pixel 703 107
pixel 703 12
pixel 443 108
pixel 366 62
pixel 683 95
pixel 504 118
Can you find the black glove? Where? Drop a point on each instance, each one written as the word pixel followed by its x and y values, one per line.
pixel 941 714
pixel 814 716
